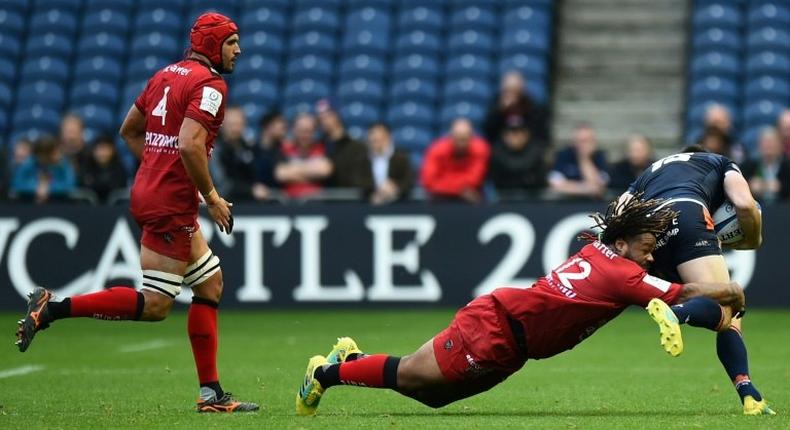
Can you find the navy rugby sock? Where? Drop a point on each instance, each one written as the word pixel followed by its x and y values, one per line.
pixel 700 312
pixel 732 354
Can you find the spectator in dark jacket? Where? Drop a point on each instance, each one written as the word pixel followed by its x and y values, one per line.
pixel 638 156
pixel 518 162
pixel 103 172
pixel 45 176
pixel 769 174
pixel 455 165
pixel 72 141
pixel 513 100
pixel 580 170
pixel 349 157
pixel 273 130
pixel 391 175
pixel 233 162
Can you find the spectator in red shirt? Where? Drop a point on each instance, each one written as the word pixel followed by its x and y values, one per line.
pixel 783 127
pixel 455 165
pixel 304 165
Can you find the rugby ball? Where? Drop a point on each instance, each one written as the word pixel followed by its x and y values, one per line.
pixel 726 224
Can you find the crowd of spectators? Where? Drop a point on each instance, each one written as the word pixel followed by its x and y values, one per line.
pixel 510 157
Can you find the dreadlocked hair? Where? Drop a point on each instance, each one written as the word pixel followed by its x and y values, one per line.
pixel 630 218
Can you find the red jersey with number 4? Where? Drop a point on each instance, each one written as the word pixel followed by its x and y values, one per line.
pixel 574 300
pixel 187 89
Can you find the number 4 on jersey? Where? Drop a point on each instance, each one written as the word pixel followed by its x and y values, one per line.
pixel 161 108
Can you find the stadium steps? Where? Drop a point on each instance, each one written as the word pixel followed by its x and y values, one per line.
pixel 613 56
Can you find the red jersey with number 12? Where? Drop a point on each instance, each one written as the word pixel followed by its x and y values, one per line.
pixel 574 300
pixel 187 89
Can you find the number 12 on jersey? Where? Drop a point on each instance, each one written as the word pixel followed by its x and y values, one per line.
pixel 161 108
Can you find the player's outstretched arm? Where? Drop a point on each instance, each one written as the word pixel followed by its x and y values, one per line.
pixel 725 293
pixel 192 147
pixel 133 131
pixel 749 217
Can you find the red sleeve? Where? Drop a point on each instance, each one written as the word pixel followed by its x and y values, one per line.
pixel 640 287
pixel 478 168
pixel 430 170
pixel 206 103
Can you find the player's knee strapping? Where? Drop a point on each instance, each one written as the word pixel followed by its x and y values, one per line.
pixel 202 269
pixel 168 284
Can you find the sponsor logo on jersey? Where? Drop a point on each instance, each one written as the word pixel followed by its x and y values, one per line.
pixel 183 71
pixel 211 101
pixel 157 142
pixel 605 250
pixel 657 282
pixel 701 243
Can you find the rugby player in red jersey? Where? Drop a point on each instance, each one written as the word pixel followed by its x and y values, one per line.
pixel 494 335
pixel 171 127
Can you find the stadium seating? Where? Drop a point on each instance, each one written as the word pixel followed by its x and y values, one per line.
pixel 416 63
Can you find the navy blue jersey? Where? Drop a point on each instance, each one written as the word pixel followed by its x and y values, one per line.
pixel 695 175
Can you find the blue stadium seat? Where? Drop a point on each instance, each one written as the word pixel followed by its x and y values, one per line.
pixel 429 18
pixel 94 92
pixel 254 111
pixel 37 117
pixel 306 91
pixel 130 93
pixel 104 44
pixel 122 6
pixel 467 90
pixel 3 124
pixel 414 90
pixel 55 21
pixel 106 20
pixel 768 88
pixel 469 66
pixel 177 6
pixel 310 66
pixel 103 68
pixel 373 42
pixel 696 112
pixel 70 6
pixel 718 14
pixel 762 112
pixel 264 43
pixel 418 42
pixel 480 18
pixel 11 22
pixel 98 118
pixel 415 66
pixel 717 39
pixel 471 42
pixel 7 70
pixel 143 68
pixel 254 90
pixel 411 114
pixel 538 90
pixel 359 115
pixel 413 139
pixel 769 14
pixel 270 18
pixel 49 44
pixel 159 19
pixel 715 63
pixel 325 4
pixel 291 110
pixel 362 66
pixel 531 66
pixel 41 92
pixel 198 7
pixel 715 87
pixel 316 18
pixel 378 4
pixel 750 138
pixel 769 39
pixel 362 90
pixel 9 46
pixel 472 111
pixel 768 63
pixel 525 41
pixel 368 18
pixel 6 96
pixel 16 6
pixel 46 69
pixel 156 43
pixel 527 16
pixel 314 42
pixel 256 66
pixel 546 4
pixel 415 3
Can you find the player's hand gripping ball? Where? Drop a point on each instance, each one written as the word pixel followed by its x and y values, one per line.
pixel 726 224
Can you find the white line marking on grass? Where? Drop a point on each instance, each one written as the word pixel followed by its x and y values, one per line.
pixel 19 371
pixel 145 346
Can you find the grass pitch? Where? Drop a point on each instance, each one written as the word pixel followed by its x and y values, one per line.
pixel 107 375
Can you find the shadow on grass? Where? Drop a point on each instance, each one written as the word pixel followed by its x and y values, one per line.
pixel 537 414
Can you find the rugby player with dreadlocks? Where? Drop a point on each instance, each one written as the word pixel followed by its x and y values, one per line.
pixel 494 335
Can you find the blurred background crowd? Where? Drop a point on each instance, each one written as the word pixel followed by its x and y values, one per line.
pixel 381 100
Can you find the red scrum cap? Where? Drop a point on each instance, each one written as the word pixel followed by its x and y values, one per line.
pixel 209 33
